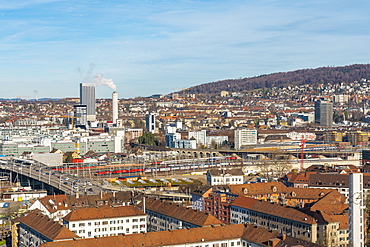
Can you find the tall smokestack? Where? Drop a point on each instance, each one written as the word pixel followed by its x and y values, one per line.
pixel 115 107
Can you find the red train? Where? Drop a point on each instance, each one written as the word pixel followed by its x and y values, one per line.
pixel 133 170
pixel 231 158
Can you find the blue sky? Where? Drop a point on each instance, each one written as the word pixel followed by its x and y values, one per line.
pixel 150 47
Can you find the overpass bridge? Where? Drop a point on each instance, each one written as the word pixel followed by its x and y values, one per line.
pixel 43 177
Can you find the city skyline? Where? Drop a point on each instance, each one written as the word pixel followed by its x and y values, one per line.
pixel 155 46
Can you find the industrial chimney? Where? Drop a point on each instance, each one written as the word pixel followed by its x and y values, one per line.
pixel 115 107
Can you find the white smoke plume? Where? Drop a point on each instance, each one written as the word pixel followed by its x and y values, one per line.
pixel 97 80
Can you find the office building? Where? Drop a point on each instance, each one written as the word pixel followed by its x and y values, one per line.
pixel 324 113
pixel 80 116
pixel 150 123
pixel 87 97
pixel 245 137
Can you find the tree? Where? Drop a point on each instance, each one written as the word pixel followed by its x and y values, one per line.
pixel 148 139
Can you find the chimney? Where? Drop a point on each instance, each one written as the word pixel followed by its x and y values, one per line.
pixel 115 107
pixel 273 242
pixel 77 195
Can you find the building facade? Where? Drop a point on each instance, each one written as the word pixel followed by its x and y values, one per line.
pixel 106 221
pixel 163 215
pixel 87 97
pixel 324 113
pixel 245 137
pixel 150 122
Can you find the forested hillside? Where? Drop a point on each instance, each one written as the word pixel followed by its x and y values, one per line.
pixel 316 76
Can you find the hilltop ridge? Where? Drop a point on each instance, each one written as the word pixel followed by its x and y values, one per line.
pixel 315 76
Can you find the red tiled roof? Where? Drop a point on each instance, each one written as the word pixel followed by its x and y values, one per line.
pixel 176 211
pixel 103 212
pixel 253 234
pixel 273 209
pixel 46 226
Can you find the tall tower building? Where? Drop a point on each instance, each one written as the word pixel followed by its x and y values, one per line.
pixel 115 107
pixel 324 113
pixel 87 97
pixel 356 210
pixel 150 122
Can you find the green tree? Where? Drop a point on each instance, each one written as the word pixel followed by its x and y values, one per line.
pixel 148 139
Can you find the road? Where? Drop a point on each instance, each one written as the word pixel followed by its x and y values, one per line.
pixel 65 182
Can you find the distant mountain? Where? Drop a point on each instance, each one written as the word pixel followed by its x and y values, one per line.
pixel 316 76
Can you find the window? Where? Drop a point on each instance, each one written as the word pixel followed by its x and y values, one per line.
pixel 105 222
pixel 81 224
pixel 73 225
pixel 135 220
pixel 142 219
pixel 112 222
pixel 97 223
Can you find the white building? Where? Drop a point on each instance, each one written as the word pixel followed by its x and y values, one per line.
pixel 225 177
pixel 245 137
pixel 58 206
pixel 218 140
pixel 150 122
pixel 106 221
pixel 356 210
pixel 199 136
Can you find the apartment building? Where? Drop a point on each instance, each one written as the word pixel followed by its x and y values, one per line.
pixel 339 182
pixel 34 228
pixel 274 217
pixel 105 221
pixel 165 215
pixel 58 206
pixel 208 236
pixel 218 204
pixel 327 225
pixel 278 193
pixel 198 195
